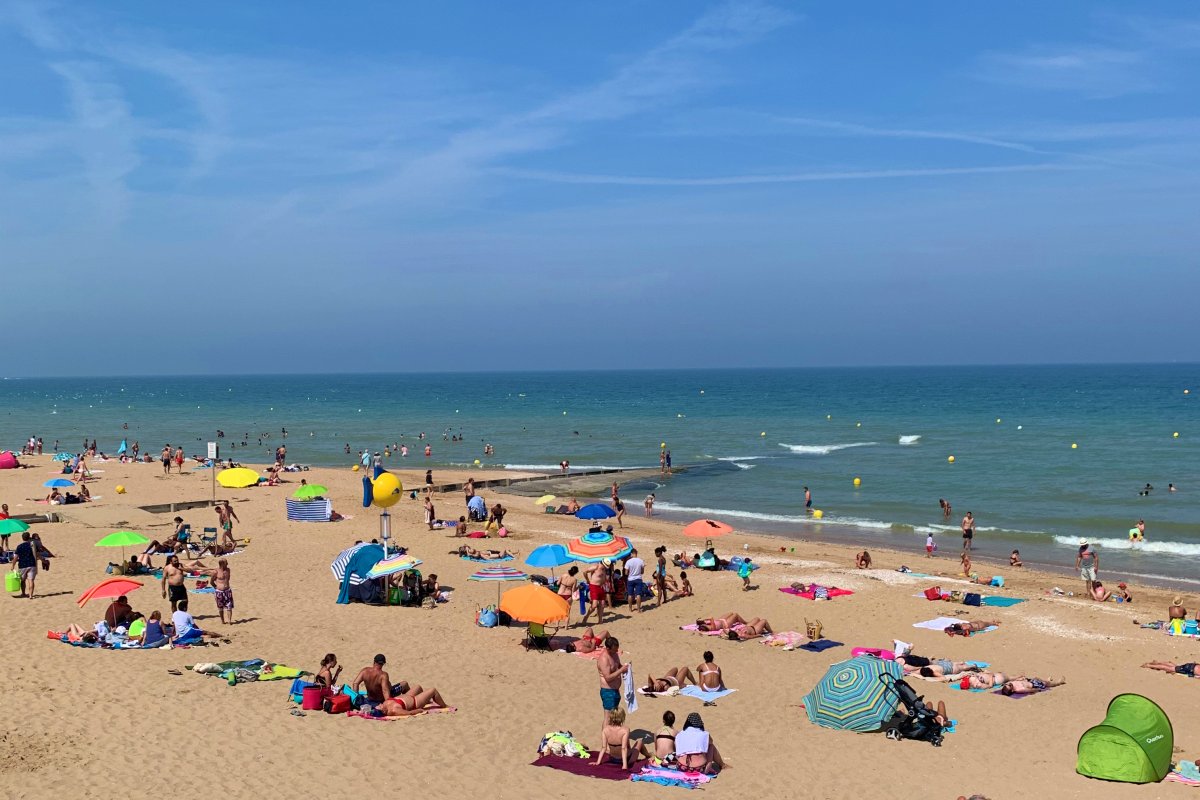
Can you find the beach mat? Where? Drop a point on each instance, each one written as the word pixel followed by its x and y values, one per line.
pixel 486 560
pixel 938 624
pixel 706 696
pixel 586 767
pixel 672 777
pixel 1001 602
pixel 811 595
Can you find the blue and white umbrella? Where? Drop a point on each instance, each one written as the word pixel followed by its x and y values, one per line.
pixel 343 558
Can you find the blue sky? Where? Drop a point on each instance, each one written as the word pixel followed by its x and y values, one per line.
pixel 470 185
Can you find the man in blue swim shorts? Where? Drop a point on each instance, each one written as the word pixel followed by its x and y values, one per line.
pixel 611 670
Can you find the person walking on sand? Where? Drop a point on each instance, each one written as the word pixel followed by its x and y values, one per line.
pixel 611 671
pixel 224 592
pixel 178 461
pixel 635 571
pixel 968 530
pixel 619 507
pixel 26 565
pixel 930 546
pixel 429 511
pixel 1087 561
pixel 597 577
pixel 226 516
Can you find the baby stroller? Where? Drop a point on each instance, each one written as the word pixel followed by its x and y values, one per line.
pixel 919 722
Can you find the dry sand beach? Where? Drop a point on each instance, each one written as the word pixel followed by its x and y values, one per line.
pixel 93 723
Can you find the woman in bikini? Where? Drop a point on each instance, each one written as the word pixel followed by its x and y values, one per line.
pixel 615 743
pixel 664 740
pixel 676 676
pixel 968 628
pixel 328 674
pixel 751 630
pixel 1025 685
pixel 711 679
pixel 722 623
pixel 590 642
pixel 411 700
pixel 566 588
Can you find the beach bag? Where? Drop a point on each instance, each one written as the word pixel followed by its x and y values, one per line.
pixel 312 698
pixel 933 593
pixel 956 596
pixel 337 704
pixel 813 629
pixel 486 617
pixel 972 599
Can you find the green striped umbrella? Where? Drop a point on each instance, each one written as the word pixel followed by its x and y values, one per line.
pixel 851 696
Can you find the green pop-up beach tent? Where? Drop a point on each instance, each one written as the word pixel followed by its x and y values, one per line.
pixel 1132 745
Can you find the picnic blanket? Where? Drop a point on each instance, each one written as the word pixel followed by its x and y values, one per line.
pixel 811 595
pixel 705 695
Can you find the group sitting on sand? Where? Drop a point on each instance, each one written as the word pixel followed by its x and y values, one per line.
pixel 691 749
pixel 382 698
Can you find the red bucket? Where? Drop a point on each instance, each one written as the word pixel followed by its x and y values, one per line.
pixel 311 698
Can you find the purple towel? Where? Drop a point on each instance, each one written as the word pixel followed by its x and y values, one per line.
pixel 577 766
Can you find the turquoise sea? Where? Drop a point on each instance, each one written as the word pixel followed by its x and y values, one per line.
pixel 751 439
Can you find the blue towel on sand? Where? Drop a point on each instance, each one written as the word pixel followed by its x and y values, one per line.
pixel 701 694
pixel 819 645
pixel 486 560
pixel 1001 602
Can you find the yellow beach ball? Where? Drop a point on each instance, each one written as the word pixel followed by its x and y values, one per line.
pixel 121 487
pixel 858 481
pixel 950 459
pixel 818 514
pixel 355 468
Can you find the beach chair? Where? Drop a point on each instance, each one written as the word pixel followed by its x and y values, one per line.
pixel 208 537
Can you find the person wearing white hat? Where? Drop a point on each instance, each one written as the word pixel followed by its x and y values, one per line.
pixel 1088 563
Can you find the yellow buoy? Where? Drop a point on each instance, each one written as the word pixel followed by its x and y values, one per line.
pixel 387 452
pixel 662 445
pixel 1074 446
pixel 829 416
pixel 997 420
pixel 120 489
pixel 386 490
pixel 950 459
pixel 858 424
pixel 764 433
pixel 818 513
pixel 477 462
pixel 858 481
pixel 1176 434
pixel 355 468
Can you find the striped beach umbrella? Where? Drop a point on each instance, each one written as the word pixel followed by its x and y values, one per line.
pixel 597 546
pixel 390 566
pixel 498 575
pixel 338 567
pixel 851 696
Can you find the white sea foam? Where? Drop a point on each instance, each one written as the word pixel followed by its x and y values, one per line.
pixel 910 439
pixel 739 458
pixel 718 513
pixel 555 467
pixel 823 449
pixel 1171 548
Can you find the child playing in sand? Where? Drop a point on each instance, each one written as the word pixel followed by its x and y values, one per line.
pixel 744 573
pixel 1014 559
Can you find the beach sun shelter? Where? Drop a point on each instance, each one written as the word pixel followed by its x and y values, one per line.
pixel 1132 745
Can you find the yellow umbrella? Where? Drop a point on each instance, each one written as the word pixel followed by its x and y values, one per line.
pixel 534 603
pixel 546 498
pixel 237 478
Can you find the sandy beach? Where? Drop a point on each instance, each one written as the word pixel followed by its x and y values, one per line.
pixel 91 723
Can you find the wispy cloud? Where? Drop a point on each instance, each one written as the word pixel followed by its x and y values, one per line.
pixel 792 177
pixel 1099 72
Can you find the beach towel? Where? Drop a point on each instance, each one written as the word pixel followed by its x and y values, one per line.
pixel 1001 602
pixel 998 693
pixel 608 771
pixel 1185 772
pixel 811 595
pixel 702 694
pixel 938 624
pixel 486 560
pixel 785 639
pixel 424 711
pixel 819 645
pixel 627 689
pixel 695 629
pixel 671 777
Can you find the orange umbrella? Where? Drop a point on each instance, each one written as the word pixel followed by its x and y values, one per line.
pixel 534 603
pixel 706 529
pixel 108 589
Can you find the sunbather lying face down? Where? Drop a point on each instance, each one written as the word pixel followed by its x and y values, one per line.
pixel 720 623
pixel 968 628
pixel 1025 685
pixel 414 700
pixel 751 630
pixel 934 667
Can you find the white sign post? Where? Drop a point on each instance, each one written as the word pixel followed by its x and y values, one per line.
pixel 214 455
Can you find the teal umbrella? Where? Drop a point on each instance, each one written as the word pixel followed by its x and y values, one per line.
pixel 851 696
pixel 11 526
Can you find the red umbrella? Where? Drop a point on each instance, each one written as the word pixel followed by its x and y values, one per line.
pixel 107 589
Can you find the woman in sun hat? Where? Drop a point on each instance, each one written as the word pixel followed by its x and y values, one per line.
pixel 1088 564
